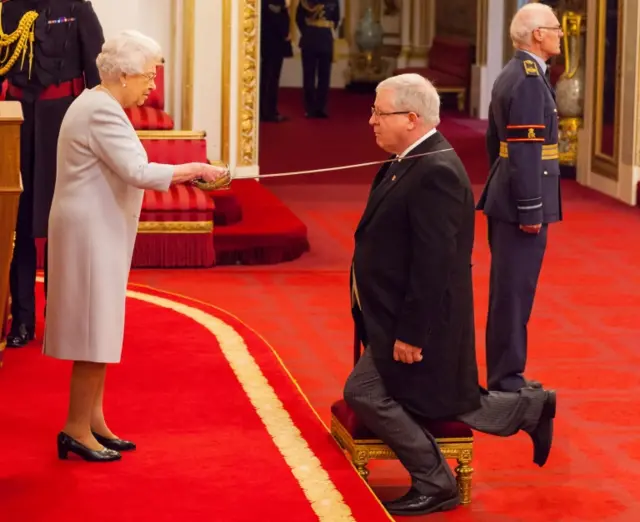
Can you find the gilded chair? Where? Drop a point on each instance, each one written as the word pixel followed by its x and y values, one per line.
pixel 455 440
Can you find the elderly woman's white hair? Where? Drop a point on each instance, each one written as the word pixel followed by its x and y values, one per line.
pixel 527 20
pixel 412 92
pixel 127 53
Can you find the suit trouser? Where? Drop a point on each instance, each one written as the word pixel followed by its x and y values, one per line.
pixel 270 71
pixel 500 414
pixel 316 64
pixel 516 260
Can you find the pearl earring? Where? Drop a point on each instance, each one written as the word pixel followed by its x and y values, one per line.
pixel 124 84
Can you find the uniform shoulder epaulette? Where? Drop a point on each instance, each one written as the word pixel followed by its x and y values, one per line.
pixel 530 68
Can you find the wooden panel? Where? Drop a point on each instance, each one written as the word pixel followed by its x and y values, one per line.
pixel 10 189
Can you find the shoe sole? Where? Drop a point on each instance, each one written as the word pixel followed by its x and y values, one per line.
pixel 447 505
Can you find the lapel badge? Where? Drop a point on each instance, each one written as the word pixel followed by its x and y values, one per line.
pixel 393 178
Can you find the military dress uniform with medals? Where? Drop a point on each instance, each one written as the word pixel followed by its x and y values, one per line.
pixel 523 189
pixel 275 46
pixel 317 19
pixel 48 51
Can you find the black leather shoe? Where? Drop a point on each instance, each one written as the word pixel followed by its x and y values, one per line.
pixel 20 336
pixel 415 503
pixel 532 384
pixel 68 444
pixel 542 435
pixel 115 444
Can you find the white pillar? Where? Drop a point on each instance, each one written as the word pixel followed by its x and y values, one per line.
pixel 418 48
pixel 405 34
pixel 489 60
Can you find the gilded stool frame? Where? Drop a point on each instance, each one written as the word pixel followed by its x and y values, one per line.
pixel 362 451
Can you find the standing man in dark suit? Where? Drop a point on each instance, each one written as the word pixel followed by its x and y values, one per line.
pixel 275 46
pixel 522 195
pixel 412 302
pixel 67 39
pixel 317 20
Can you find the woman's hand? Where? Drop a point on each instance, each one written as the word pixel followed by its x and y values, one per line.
pixel 210 173
pixel 203 171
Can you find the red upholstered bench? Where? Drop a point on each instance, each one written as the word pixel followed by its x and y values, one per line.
pixel 454 439
pixel 448 67
pixel 175 229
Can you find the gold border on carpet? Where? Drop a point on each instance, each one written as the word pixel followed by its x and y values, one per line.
pixel 289 375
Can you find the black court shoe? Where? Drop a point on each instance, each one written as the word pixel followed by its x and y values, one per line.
pixel 68 445
pixel 115 444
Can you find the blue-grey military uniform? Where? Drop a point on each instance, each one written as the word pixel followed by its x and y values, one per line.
pixel 523 189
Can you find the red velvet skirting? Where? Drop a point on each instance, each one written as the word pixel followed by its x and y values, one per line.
pixel 174 251
pixel 165 251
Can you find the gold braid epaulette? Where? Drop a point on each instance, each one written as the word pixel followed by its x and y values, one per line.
pixel 23 34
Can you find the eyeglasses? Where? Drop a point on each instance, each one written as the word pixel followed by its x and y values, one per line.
pixel 149 76
pixel 375 112
pixel 555 28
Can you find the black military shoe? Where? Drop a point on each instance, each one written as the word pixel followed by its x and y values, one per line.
pixel 542 435
pixel 20 336
pixel 415 503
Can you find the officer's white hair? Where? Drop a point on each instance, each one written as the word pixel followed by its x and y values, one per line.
pixel 412 92
pixel 528 18
pixel 127 52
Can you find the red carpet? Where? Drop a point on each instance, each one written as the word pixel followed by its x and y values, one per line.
pixel 205 451
pixel 584 340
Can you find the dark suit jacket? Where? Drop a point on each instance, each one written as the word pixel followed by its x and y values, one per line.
pixel 524 182
pixel 412 266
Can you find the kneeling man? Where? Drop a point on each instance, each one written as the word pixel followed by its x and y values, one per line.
pixel 413 303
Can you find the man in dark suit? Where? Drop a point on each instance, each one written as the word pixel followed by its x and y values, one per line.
pixel 317 19
pixel 275 46
pixel 412 302
pixel 522 194
pixel 67 40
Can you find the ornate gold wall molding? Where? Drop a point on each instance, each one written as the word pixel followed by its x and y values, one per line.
pixel 482 31
pixel 188 55
pixel 605 157
pixel 248 63
pixel 170 75
pixel 225 109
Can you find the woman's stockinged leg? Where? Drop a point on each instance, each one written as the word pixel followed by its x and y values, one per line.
pixel 85 384
pixel 98 423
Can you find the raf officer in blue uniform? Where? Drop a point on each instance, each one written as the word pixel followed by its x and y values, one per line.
pixel 317 20
pixel 522 194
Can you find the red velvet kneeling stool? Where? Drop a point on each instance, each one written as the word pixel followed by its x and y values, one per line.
pixel 455 440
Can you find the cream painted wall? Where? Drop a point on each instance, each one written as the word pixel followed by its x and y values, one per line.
pixel 151 17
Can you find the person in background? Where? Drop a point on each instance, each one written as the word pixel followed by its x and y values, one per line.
pixel 103 171
pixel 522 194
pixel 317 20
pixel 67 37
pixel 275 46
